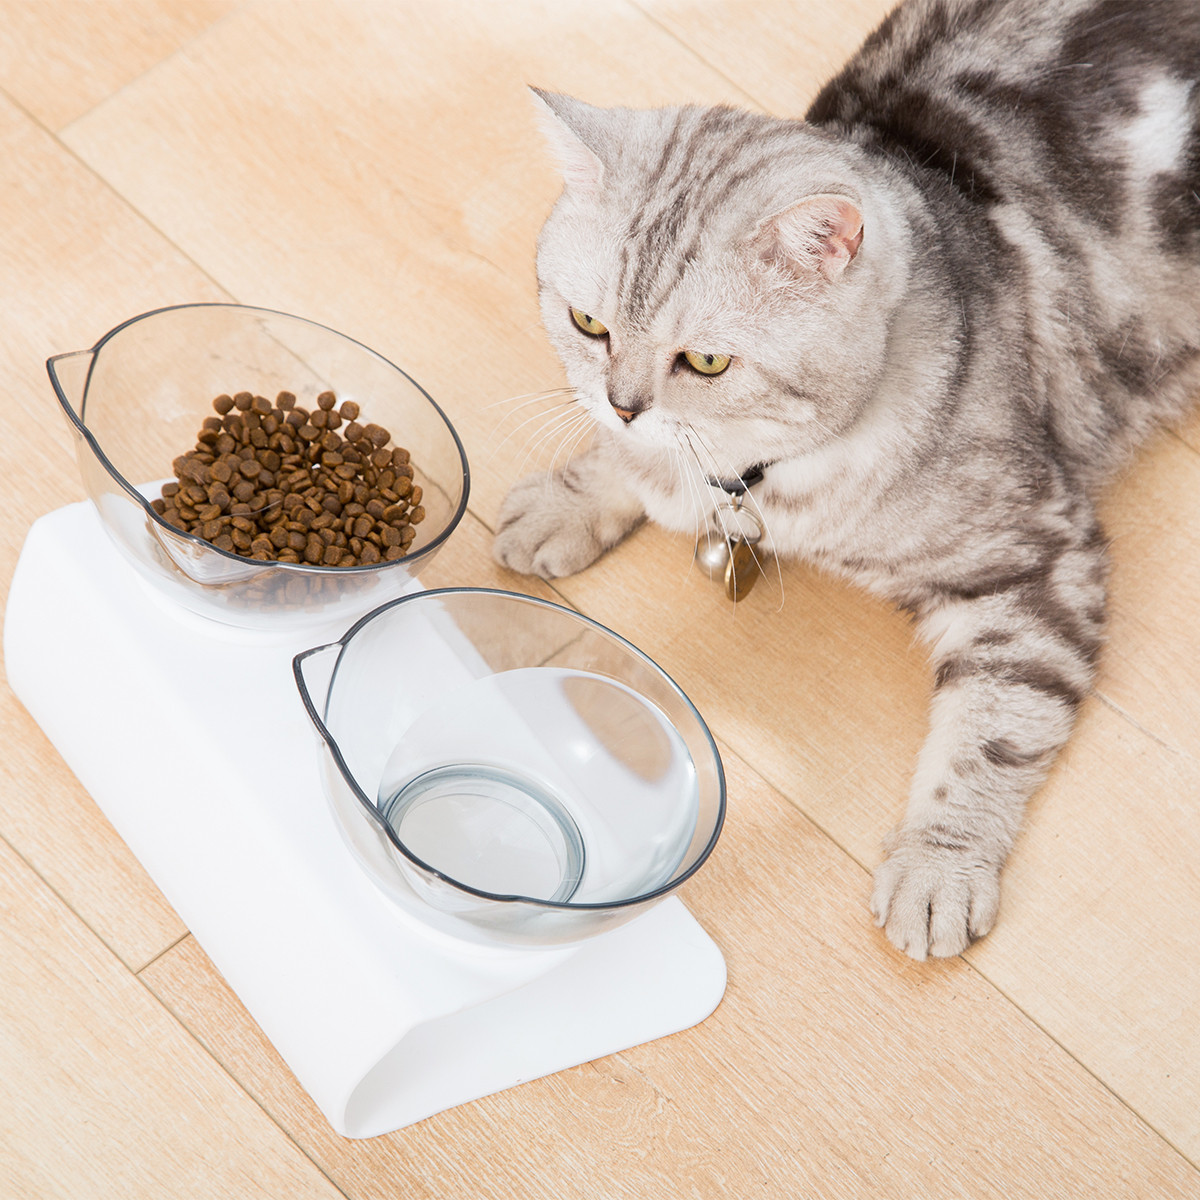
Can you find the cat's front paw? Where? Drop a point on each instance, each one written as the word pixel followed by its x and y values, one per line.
pixel 934 894
pixel 553 525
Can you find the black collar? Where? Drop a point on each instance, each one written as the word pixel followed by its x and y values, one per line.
pixel 743 483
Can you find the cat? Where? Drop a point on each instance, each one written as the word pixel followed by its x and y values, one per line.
pixel 937 313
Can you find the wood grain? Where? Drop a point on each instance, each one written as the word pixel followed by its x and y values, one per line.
pixel 777 53
pixel 60 60
pixel 106 1096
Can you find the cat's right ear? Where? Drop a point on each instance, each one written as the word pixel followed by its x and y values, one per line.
pixel 819 235
pixel 569 125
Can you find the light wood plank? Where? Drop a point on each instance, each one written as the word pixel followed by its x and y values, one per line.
pixel 1152 516
pixel 60 60
pixel 779 53
pixel 77 262
pixel 105 1095
pixel 832 1068
pixel 1097 934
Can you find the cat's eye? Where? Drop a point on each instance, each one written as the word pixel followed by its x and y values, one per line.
pixel 706 364
pixel 588 324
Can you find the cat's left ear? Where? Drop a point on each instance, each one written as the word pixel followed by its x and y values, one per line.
pixel 819 234
pixel 573 130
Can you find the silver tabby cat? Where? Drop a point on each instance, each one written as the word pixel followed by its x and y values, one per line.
pixel 940 311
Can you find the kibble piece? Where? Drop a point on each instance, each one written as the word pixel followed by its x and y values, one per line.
pixel 243 401
pixel 223 403
pixel 326 400
pixel 377 435
pixel 349 411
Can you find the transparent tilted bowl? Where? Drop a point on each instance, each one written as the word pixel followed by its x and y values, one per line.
pixel 137 400
pixel 508 770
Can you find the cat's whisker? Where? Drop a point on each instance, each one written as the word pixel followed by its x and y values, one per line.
pixel 695 485
pixel 561 425
pixel 535 438
pixel 531 397
pixel 554 427
pixel 585 428
pixel 688 489
pixel 554 413
pixel 572 433
pixel 575 433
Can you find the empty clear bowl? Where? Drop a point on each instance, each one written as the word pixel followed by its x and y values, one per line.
pixel 137 399
pixel 508 770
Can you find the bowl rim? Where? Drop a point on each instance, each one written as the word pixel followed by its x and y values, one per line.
pixel 377 818
pixel 80 425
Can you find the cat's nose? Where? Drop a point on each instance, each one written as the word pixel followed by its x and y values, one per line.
pixel 627 404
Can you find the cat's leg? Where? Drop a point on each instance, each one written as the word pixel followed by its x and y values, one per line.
pixel 1015 658
pixel 557 523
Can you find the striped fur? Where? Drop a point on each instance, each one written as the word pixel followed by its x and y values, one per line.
pixel 940 402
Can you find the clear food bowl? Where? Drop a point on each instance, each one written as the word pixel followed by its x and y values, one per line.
pixel 137 399
pixel 508 770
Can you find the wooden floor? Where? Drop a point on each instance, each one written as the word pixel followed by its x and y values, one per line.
pixel 375 166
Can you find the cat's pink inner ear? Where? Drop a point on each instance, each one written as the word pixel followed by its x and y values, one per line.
pixel 821 233
pixel 581 168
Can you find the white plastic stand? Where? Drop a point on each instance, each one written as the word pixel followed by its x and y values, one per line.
pixel 192 739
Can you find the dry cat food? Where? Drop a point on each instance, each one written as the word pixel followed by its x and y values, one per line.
pixel 278 483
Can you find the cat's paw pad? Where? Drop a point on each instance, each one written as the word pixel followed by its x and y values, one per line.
pixel 543 529
pixel 934 895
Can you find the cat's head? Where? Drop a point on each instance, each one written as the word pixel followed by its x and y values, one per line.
pixel 706 279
